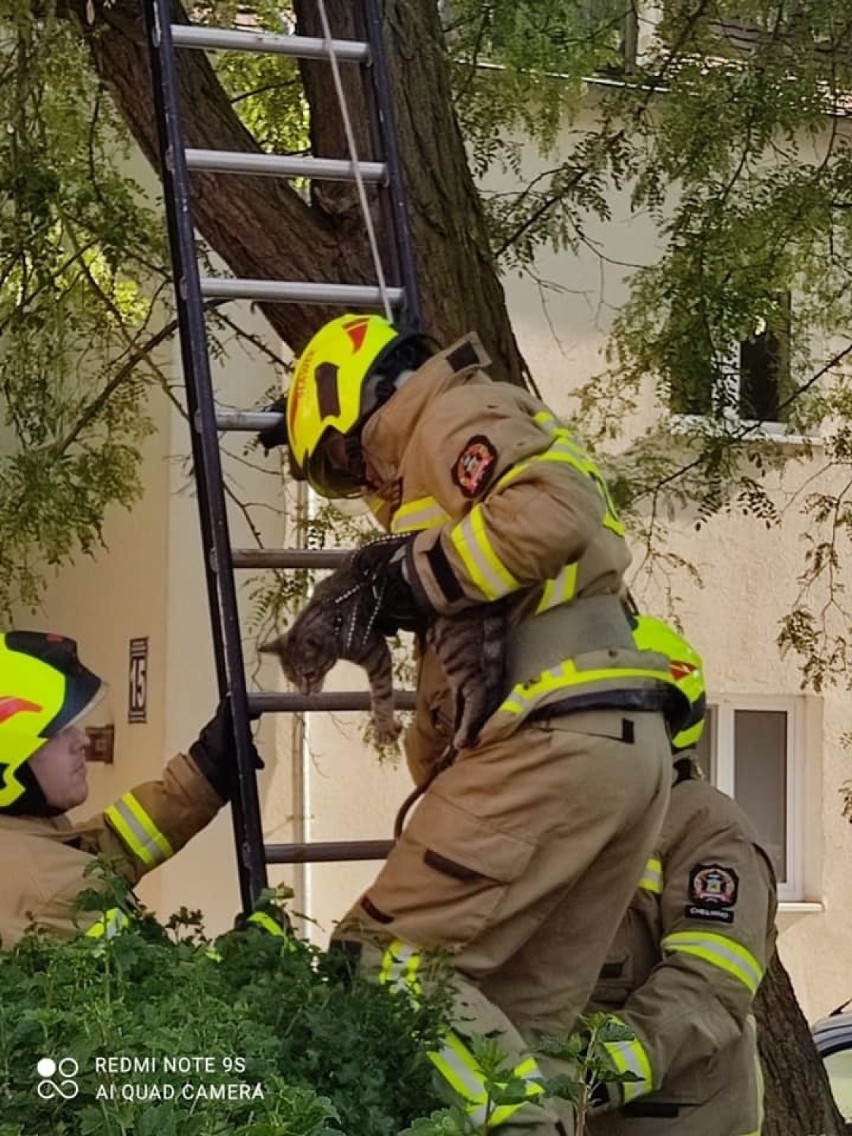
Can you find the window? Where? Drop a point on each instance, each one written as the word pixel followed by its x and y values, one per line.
pixel 617 21
pixel 752 749
pixel 752 383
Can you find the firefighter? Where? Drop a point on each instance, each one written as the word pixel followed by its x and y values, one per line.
pixel 45 692
pixel 688 958
pixel 514 857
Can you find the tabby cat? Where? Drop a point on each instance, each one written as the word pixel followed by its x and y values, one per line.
pixel 338 622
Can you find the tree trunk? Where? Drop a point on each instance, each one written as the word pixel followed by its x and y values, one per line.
pixel 263 229
pixel 798 1096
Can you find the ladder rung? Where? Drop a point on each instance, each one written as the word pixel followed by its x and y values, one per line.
pixel 266 701
pixel 281 165
pixel 297 292
pixel 247 420
pixel 300 47
pixel 288 557
pixel 324 852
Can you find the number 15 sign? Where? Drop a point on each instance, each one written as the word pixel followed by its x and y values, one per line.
pixel 137 696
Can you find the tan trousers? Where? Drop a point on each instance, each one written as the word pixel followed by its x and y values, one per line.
pixel 519 862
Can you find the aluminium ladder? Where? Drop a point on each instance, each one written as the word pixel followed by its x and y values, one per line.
pixel 191 290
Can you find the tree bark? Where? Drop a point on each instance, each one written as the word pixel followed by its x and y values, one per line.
pixel 798 1095
pixel 263 229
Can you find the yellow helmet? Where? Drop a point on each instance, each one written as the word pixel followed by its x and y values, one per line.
pixel 685 667
pixel 341 377
pixel 43 688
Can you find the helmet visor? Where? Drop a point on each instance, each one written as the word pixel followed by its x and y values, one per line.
pixel 97 720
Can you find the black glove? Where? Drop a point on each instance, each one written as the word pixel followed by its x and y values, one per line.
pixel 271 437
pixel 382 564
pixel 214 753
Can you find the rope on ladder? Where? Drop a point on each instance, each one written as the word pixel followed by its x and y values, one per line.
pixel 353 155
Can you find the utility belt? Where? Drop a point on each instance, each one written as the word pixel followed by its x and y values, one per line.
pixel 654 700
pixel 660 1109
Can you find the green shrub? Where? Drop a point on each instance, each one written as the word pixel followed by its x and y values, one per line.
pixel 318 1050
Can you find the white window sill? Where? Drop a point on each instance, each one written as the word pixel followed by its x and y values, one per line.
pixel 800 907
pixel 742 428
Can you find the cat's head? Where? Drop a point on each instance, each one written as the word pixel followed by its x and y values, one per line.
pixel 306 658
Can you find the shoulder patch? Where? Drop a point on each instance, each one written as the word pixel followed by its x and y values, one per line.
pixel 713 890
pixel 474 467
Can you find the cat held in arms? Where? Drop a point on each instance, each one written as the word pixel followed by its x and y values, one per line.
pixel 338 622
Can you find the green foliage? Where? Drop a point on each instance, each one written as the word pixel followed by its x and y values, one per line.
pixel 77 240
pixel 586 1053
pixel 266 91
pixel 583 1058
pixel 330 1053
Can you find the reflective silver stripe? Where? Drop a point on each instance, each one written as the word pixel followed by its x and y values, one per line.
pixel 460 1069
pixel 138 831
pixel 652 877
pixel 399 967
pixel 720 951
pixel 751 1024
pixel 484 567
pixel 560 589
pixel 423 513
pixel 631 1057
pixel 108 925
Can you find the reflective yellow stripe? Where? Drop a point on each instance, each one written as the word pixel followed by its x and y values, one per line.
pixel 719 951
pixel 109 924
pixel 652 878
pixel 546 419
pixel 422 513
pixel 565 676
pixel 399 967
pixel 266 923
pixel 138 831
pixel 751 1024
pixel 564 449
pixel 631 1057
pixel 483 565
pixel 454 1061
pixel 460 1069
pixel 560 589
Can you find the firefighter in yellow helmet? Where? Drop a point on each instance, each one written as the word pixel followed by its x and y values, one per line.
pixel 514 859
pixel 684 968
pixel 45 693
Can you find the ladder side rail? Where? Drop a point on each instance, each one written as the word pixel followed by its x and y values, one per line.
pixel 388 138
pixel 245 808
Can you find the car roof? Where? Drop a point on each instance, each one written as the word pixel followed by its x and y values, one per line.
pixel 833 1032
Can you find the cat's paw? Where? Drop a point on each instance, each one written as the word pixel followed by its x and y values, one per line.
pixel 387 731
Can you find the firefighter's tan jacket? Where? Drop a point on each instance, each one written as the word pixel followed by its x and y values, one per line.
pixel 683 971
pixel 44 860
pixel 505 503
